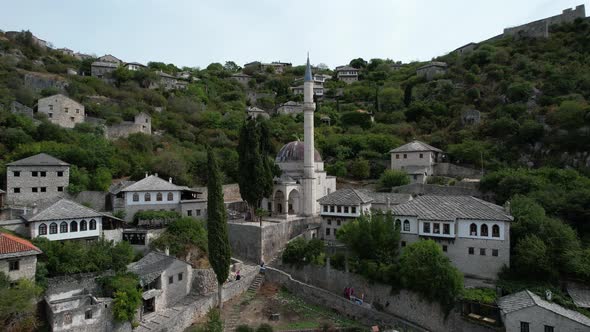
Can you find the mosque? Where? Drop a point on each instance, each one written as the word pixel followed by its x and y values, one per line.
pixel 303 180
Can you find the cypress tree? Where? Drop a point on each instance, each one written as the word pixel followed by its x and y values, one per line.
pixel 217 235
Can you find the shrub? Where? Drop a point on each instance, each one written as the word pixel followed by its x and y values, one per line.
pixel 244 328
pixel 264 328
pixel 360 169
pixel 393 178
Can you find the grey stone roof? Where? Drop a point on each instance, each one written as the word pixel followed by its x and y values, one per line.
pixel 432 207
pixel 346 68
pixel 104 64
pixel 41 159
pixel 526 298
pixel 153 182
pixel 151 266
pixel 2 191
pixel 415 146
pixel 434 64
pixel 63 209
pixel 346 197
pixel 381 197
pixel 115 188
pixel 580 294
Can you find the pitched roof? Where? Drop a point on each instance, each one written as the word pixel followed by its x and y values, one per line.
pixel 346 68
pixel 521 300
pixel 432 207
pixel 2 191
pixel 415 146
pixel 63 209
pixel 151 266
pixel 13 246
pixel 346 197
pixel 433 64
pixel 41 159
pixel 104 64
pixel 153 182
pixel 580 294
pixel 381 197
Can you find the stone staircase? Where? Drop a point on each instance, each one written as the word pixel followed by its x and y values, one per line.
pixel 234 317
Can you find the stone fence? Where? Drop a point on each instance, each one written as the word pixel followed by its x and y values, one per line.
pixel 325 286
pixel 452 170
pixel 433 189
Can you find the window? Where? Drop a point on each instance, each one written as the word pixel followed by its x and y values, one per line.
pixel 339 209
pixel 88 314
pixel 495 252
pixel 16 174
pixel 327 231
pixel 198 212
pixel 524 327
pixel 77 111
pixel 42 229
pixel 180 276
pixel 13 265
pixel 189 213
pixel 346 209
pixel 147 197
pixel 331 208
pixel 406 226
pixel 170 279
pixel 471 250
pixel 74 226
pixel 159 197
pixel 473 230
pixel 482 251
pixel 325 208
pixel 329 221
pixel 405 156
pixel 436 228
pixel 338 222
pixel 68 318
pixel 63 227
pixel 34 174
pixel 60 173
pixel 446 229
pixel 426 227
pixel 16 190
pixel 484 230
pixel 66 109
pixel 53 228
pixel 92 225
pixel 43 174
pixel 421 156
pixel 495 231
pixel 444 247
pixel 403 244
pixel 60 189
pixel 83 225
pixel 43 189
pixel 397 156
pixel 170 196
pixel 353 209
pixel 136 197
pixel 51 107
pixel 549 328
pixel 35 189
pixel 72 118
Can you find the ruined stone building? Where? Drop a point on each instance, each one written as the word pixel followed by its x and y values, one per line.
pixel 37 178
pixel 102 69
pixel 432 70
pixel 142 123
pixel 61 110
pixel 241 78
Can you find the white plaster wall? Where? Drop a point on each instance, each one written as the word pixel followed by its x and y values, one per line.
pixel 463 229
pixel 69 235
pixel 153 201
pixel 537 318
pixel 413 159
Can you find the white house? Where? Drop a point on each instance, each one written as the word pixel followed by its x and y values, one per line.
pixel 340 207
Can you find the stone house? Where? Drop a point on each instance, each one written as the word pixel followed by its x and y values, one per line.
pixel 82 56
pixel 290 108
pixel 415 158
pixel 526 311
pixel 142 123
pixel 37 178
pixel 473 233
pixel 61 110
pixel 166 81
pixel 241 78
pixel 471 117
pixel 339 207
pixel 255 112
pixel 134 66
pixel 18 257
pixel 347 74
pixel 18 108
pixel 110 58
pixel 153 193
pixel 103 69
pixel 432 70
pixel 317 90
pixel 164 279
pixel 465 49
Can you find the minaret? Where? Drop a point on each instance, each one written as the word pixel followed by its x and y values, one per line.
pixel 309 148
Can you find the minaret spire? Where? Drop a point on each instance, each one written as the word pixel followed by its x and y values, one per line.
pixel 309 204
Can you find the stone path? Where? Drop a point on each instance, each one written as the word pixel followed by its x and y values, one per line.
pixel 234 317
pixel 153 321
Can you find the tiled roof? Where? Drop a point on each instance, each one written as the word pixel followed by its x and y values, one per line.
pixel 345 197
pixel 431 207
pixel 153 182
pixel 526 298
pixel 346 68
pixel 115 188
pixel 41 159
pixel 381 197
pixel 415 146
pixel 13 246
pixel 151 266
pixel 63 209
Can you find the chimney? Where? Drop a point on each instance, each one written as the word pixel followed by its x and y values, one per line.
pixel 167 251
pixel 507 207
pixel 156 174
pixel 388 203
pixel 146 174
pixel 170 179
pixel 35 208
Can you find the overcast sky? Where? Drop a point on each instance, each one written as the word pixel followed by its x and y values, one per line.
pixel 196 33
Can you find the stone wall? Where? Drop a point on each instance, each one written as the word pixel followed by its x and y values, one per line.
pixel 25 182
pixel 452 170
pixel 540 28
pixel 94 199
pixel 40 81
pixel 27 267
pixel 16 225
pixel 433 189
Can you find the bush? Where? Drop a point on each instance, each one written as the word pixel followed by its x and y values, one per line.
pixel 300 252
pixel 264 328
pixel 182 235
pixel 360 169
pixel 244 328
pixel 393 178
pixel 125 290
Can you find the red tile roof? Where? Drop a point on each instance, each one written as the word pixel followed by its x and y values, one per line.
pixel 11 244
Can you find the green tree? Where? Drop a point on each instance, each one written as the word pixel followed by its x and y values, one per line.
pixel 181 236
pixel 18 305
pixel 125 289
pixel 393 178
pixel 218 240
pixel 532 259
pixel 360 169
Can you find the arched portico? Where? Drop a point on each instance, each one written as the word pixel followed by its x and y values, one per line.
pixel 278 202
pixel 294 202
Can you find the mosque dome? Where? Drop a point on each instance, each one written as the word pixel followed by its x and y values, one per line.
pixel 293 151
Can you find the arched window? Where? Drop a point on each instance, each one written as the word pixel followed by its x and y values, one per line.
pixel 74 226
pixel 53 228
pixel 159 197
pixel 83 226
pixel 484 230
pixel 147 197
pixel 495 231
pixel 406 225
pixel 92 224
pixel 473 230
pixel 170 196
pixel 42 229
pixel 63 227
pixel 398 224
pixel 136 197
